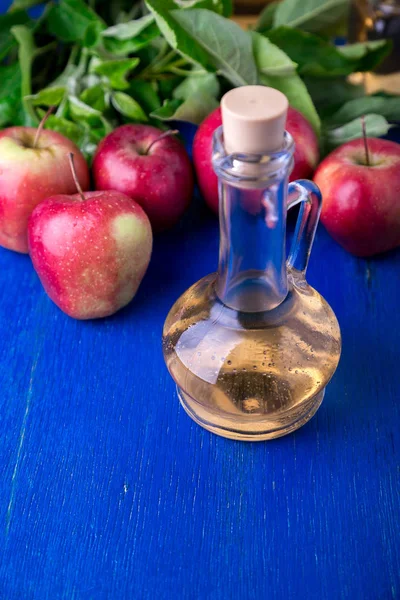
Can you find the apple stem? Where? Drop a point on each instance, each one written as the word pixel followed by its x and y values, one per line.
pixel 75 177
pixel 364 132
pixel 41 125
pixel 161 137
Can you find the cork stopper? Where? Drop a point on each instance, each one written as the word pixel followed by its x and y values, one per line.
pixel 253 119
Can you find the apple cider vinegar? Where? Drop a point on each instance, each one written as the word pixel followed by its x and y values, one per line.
pixel 252 347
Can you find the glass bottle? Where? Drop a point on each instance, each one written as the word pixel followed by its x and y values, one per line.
pixel 253 346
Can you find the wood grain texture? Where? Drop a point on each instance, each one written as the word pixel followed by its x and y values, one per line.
pixel 108 490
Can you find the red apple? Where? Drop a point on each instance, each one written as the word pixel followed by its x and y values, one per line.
pixel 90 251
pixel 29 173
pixel 156 174
pixel 361 208
pixel 306 154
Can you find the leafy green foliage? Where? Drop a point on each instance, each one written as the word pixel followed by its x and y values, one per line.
pixel 375 125
pixel 96 97
pixel 7 21
pixel 270 59
pixel 196 84
pixel 123 47
pixel 319 58
pixel 116 71
pixel 145 93
pixel 388 107
pixel 129 30
pixel 278 71
pixel 105 63
pixel 194 109
pixel 51 96
pixel 128 107
pixel 10 93
pixel 69 20
pixel 329 98
pixel 310 15
pixel 23 4
pixel 266 19
pixel 227 46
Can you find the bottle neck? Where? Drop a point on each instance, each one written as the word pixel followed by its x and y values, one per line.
pixel 252 275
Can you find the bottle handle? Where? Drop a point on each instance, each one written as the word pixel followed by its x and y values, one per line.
pixel 309 195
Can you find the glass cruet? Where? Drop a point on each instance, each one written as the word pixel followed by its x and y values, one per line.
pixel 252 347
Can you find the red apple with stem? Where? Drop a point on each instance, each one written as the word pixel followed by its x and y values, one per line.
pixel 306 154
pixel 90 250
pixel 33 166
pixel 360 185
pixel 149 166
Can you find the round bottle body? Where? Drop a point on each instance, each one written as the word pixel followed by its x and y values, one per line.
pixel 251 376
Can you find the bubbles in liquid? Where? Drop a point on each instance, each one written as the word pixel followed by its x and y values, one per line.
pixel 251 404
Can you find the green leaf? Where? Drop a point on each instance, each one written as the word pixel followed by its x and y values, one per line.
pixel 50 96
pixel 92 35
pixel 145 94
pixel 72 72
pixel 10 93
pixel 95 97
pixel 116 71
pixel 120 47
pixel 228 47
pixel 310 15
pixel 127 31
pixel 270 59
pixel 329 98
pixel 26 54
pixel 7 40
pixel 196 84
pixel 69 20
pixel 266 19
pixel 166 87
pixel 23 4
pixel 386 107
pixel 86 138
pixel 176 36
pixel 71 130
pixel 319 58
pixel 366 55
pixel 299 98
pixel 227 8
pixel 194 109
pixel 128 107
pixel 276 70
pixel 375 126
pixel 80 111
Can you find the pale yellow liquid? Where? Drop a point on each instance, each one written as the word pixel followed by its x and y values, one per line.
pixel 251 376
